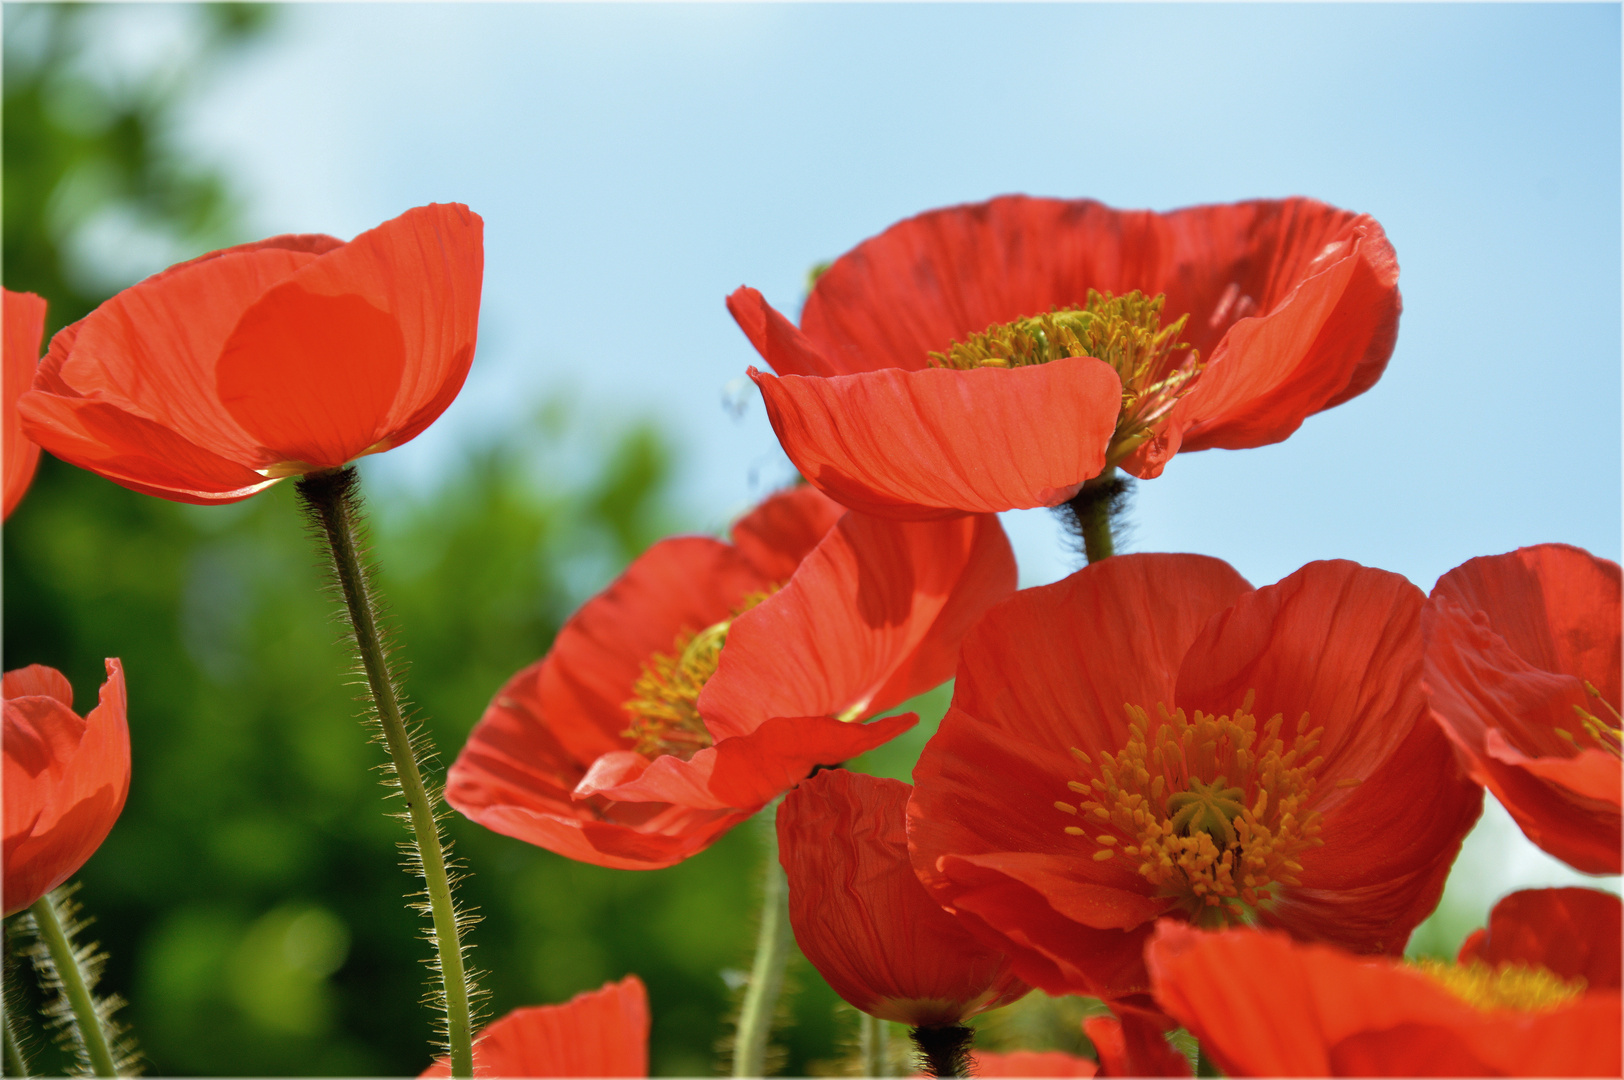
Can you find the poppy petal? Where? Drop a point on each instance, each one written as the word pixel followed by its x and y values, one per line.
pixel 930 444
pixel 872 617
pixel 424 269
pixel 24 317
pixel 784 347
pixel 598 1033
pixel 988 1063
pixel 150 351
pixel 783 530
pixel 861 916
pixel 1572 932
pixel 1134 1043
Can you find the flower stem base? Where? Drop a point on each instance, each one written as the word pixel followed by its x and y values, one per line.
pixel 944 1051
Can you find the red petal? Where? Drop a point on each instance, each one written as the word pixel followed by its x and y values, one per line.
pixel 24 316
pixel 1572 932
pixel 1488 700
pixel 599 1033
pixel 872 617
pixel 65 782
pixel 150 352
pixel 863 919
pixel 1029 1063
pixel 785 348
pixel 424 269
pixel 783 530
pixel 37 680
pixel 1556 606
pixel 1134 1043
pixel 931 444
pixel 1335 640
pixel 312 377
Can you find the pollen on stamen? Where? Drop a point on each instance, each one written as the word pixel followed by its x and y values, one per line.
pixel 1211 808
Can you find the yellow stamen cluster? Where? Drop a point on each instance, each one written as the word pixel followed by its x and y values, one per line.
pixel 663 706
pixel 1606 735
pixel 1210 811
pixel 1523 987
pixel 1125 331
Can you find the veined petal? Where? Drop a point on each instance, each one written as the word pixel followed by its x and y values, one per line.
pixel 918 445
pixel 1574 933
pixel 783 530
pixel 873 616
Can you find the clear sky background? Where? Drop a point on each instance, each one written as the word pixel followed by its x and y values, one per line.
pixel 634 164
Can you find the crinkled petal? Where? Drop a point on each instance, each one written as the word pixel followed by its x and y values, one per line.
pixel 1572 932
pixel 873 617
pixel 929 444
pixel 783 530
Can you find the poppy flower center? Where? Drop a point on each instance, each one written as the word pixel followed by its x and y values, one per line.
pixel 663 705
pixel 1209 810
pixel 1603 734
pixel 1125 331
pixel 1523 987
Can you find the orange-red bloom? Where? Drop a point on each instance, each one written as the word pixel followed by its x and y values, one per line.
pixel 1036 1063
pixel 25 324
pixel 598 1033
pixel 1263 1005
pixel 1522 673
pixel 1134 1043
pixel 638 739
pixel 1292 308
pixel 1273 762
pixel 861 916
pixel 65 778
pixel 220 376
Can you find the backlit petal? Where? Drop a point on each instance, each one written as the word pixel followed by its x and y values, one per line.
pixel 24 316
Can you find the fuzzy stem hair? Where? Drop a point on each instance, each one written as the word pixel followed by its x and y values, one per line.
pixel 69 971
pixel 332 501
pixel 944 1051
pixel 773 945
pixel 1094 514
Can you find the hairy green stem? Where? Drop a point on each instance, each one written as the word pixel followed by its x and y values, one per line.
pixel 773 943
pixel 1092 509
pixel 87 1021
pixel 873 1042
pixel 16 1063
pixel 944 1051
pixel 332 500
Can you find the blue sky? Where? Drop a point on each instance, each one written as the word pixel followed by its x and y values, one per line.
pixel 634 164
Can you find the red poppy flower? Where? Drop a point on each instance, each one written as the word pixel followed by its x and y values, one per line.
pixel 1153 737
pixel 639 739
pixel 1263 1005
pixel 65 778
pixel 25 325
pixel 1522 673
pixel 1574 933
pixel 599 1033
pixel 220 376
pixel 890 397
pixel 861 916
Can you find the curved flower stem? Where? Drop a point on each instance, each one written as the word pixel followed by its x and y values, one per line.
pixel 873 1039
pixel 773 943
pixel 16 1063
pixel 333 502
pixel 75 988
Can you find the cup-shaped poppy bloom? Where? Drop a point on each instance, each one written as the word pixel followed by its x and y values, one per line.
pixel 1264 1005
pixel 598 1033
pixel 710 677
pixel 217 377
pixel 66 777
pixel 996 356
pixel 25 325
pixel 1522 673
pixel 861 916
pixel 1151 736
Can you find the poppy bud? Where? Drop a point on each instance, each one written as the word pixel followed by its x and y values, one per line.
pixel 864 920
